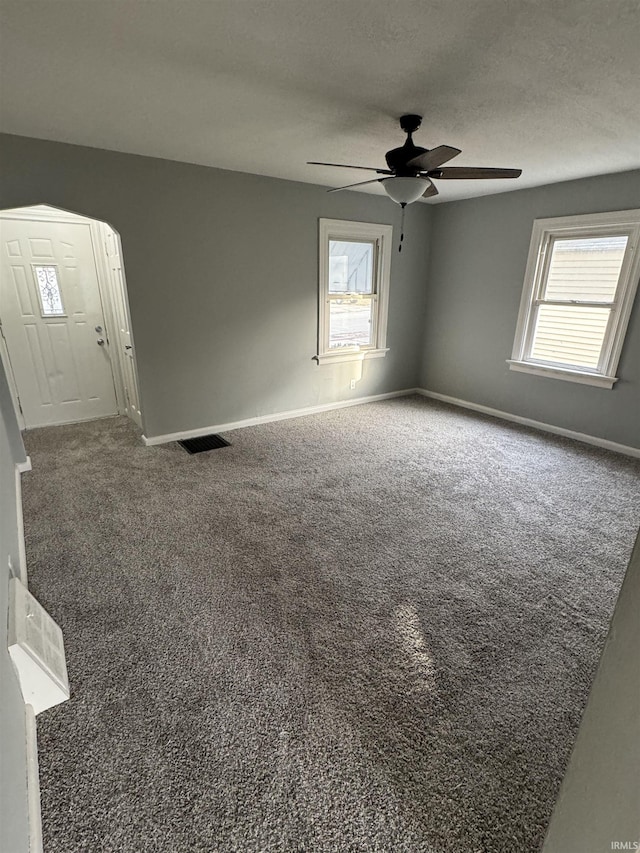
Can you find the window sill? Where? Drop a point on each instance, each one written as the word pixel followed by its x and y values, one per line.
pixel 351 355
pixel 598 380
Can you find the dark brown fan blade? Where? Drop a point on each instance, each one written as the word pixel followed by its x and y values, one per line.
pixel 462 173
pixel 436 157
pixel 360 184
pixel 430 191
pixel 344 166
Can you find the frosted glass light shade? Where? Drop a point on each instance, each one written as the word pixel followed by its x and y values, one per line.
pixel 405 190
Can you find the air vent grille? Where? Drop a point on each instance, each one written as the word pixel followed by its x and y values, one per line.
pixel 203 443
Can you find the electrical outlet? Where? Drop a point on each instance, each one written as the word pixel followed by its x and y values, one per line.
pixel 352 385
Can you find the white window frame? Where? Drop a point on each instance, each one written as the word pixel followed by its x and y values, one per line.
pixel 619 223
pixel 381 236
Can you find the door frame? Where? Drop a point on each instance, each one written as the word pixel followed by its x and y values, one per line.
pixel 47 213
pixel 115 289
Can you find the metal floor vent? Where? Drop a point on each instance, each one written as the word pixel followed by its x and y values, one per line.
pixel 204 442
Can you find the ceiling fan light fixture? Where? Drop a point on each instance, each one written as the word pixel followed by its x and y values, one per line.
pixel 405 190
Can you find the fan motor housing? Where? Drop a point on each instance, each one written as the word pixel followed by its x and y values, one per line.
pixel 398 158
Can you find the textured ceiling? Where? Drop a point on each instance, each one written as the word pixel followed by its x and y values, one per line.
pixel 261 86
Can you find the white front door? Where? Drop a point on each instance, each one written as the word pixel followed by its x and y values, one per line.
pixel 53 323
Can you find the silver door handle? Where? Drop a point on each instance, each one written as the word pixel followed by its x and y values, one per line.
pixel 100 342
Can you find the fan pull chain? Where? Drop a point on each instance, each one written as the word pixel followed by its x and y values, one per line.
pixel 402 227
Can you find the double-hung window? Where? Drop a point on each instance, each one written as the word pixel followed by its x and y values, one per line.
pixel 354 266
pixel 581 279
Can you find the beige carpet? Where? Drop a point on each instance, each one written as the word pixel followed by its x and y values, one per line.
pixel 368 630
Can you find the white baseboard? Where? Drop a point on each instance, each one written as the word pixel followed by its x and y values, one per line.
pixel 455 401
pixel 507 416
pixel 25 466
pixel 22 554
pixel 279 416
pixel 33 782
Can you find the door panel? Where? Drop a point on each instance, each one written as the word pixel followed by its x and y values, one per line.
pixel 22 291
pixel 49 308
pixel 38 363
pixel 65 379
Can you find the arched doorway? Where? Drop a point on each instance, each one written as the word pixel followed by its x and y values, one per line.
pixel 66 335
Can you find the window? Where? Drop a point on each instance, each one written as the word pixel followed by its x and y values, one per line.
pixel 581 278
pixel 355 265
pixel 49 291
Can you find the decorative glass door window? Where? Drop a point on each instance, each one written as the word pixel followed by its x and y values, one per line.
pixel 351 293
pixel 49 291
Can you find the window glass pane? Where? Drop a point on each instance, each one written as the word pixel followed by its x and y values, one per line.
pixel 350 267
pixel 338 273
pixel 350 321
pixel 570 334
pixel 50 296
pixel 587 269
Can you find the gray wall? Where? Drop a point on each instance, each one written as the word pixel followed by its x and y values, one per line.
pixel 13 772
pixel 478 259
pixel 222 271
pixel 222 275
pixel 599 801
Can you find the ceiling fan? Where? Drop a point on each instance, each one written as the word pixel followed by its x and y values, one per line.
pixel 412 170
